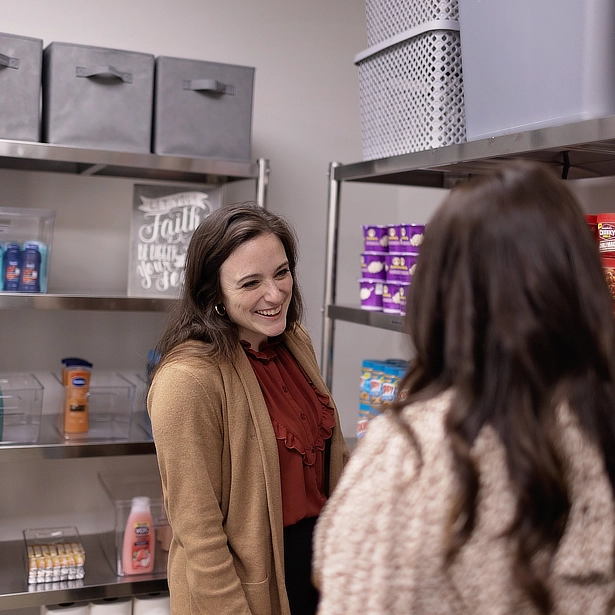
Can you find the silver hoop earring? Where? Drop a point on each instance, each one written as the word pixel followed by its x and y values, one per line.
pixel 220 309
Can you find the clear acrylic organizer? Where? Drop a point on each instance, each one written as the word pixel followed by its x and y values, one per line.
pixel 111 405
pixel 21 404
pixel 120 490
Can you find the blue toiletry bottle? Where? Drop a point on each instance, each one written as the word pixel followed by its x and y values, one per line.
pixel 11 267
pixel 29 280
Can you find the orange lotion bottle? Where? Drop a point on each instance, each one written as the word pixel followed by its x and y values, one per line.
pixel 76 380
pixel 139 538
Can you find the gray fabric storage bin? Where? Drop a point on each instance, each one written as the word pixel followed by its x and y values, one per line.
pixel 203 109
pixel 97 98
pixel 21 60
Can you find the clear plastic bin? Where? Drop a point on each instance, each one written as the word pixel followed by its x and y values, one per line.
pixel 121 489
pixel 141 425
pixel 54 554
pixel 21 404
pixel 110 408
pixel 23 226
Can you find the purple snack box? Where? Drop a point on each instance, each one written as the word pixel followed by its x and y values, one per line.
pixel 391 300
pixel 396 266
pixel 403 298
pixel 375 238
pixel 371 295
pixel 394 233
pixel 411 237
pixel 411 258
pixel 373 265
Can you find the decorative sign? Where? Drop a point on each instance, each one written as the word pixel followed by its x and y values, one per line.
pixel 163 221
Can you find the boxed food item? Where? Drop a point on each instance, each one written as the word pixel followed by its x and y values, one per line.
pixel 97 98
pixel 26 235
pixel 21 61
pixel 21 405
pixel 122 491
pixel 203 109
pixel 54 554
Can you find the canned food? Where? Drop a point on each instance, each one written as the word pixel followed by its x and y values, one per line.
pixel 606 234
pixel 608 264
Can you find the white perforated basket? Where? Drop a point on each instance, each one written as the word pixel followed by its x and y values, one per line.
pixel 411 94
pixel 387 18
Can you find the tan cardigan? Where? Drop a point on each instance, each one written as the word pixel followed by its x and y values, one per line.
pixel 218 461
pixel 380 543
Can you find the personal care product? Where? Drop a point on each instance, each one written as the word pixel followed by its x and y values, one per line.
pixel 76 375
pixel 29 280
pixel 11 267
pixel 139 542
pixel 43 269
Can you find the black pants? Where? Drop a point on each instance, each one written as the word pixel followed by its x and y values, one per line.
pixel 302 595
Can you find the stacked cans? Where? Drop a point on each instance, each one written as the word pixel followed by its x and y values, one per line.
pixel 387 265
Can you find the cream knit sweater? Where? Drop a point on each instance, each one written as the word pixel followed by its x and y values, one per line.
pixel 380 543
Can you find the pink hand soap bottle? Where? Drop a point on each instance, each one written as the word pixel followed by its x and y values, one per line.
pixel 139 538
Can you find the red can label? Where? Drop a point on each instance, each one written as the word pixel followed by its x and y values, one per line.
pixel 606 237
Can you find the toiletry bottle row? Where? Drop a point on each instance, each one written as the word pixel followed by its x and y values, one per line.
pixel 21 268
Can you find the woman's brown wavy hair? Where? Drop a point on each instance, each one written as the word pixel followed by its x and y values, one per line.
pixel 509 306
pixel 194 317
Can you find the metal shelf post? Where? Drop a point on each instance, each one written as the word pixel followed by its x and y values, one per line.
pixel 328 326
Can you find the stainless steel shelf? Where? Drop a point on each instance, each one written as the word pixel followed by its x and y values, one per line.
pixel 28 156
pixel 18 301
pixel 392 322
pixel 100 579
pixel 578 150
pixel 51 445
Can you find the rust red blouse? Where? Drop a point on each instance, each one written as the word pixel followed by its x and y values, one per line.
pixel 303 420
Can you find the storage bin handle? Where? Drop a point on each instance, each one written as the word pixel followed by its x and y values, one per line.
pixel 103 71
pixel 208 85
pixel 9 62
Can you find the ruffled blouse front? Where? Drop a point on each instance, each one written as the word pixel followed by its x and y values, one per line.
pixel 302 419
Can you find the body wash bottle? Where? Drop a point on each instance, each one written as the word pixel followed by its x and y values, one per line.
pixel 139 538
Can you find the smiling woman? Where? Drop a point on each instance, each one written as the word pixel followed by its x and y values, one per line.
pixel 247 435
pixel 256 288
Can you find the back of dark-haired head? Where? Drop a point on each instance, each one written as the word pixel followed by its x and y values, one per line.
pixel 194 316
pixel 510 307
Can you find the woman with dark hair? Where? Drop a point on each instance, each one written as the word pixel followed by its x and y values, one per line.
pixel 247 436
pixel 489 486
